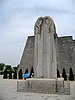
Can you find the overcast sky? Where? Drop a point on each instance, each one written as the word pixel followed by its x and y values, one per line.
pixel 17 18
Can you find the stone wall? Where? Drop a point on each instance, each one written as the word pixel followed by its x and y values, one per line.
pixel 65 49
pixel 73 55
pixel 65 53
pixel 28 54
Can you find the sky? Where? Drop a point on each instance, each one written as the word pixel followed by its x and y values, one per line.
pixel 17 19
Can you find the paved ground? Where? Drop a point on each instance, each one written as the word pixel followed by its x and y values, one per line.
pixel 8 91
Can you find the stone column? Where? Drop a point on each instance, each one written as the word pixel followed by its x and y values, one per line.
pixel 45 65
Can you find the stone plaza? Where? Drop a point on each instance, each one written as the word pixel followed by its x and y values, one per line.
pixel 8 91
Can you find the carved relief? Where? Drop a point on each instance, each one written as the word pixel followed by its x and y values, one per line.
pixel 38 24
pixel 47 20
pixel 50 23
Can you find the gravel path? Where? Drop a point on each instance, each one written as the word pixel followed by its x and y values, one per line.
pixel 8 91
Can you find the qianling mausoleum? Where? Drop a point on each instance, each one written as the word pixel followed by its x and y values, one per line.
pixel 65 53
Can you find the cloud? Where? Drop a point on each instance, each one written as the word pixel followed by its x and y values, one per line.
pixel 17 19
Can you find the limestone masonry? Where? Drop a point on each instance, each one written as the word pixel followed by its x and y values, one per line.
pixel 65 52
pixel 46 86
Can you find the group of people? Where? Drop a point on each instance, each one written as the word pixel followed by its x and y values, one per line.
pixel 29 74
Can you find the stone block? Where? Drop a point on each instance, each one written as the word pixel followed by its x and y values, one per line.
pixel 67 87
pixel 60 85
pixel 42 85
pixel 37 85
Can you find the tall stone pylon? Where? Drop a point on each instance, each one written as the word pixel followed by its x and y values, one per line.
pixel 45 64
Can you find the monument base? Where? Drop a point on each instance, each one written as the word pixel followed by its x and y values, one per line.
pixel 47 86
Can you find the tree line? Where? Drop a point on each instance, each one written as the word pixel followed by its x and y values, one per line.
pixel 16 75
pixel 64 75
pixel 7 70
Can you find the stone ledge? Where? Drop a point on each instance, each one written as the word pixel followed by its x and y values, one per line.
pixel 47 86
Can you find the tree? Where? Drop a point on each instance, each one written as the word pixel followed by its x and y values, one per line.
pixel 5 74
pixel 64 74
pixel 26 71
pixel 20 74
pixel 8 67
pixel 2 66
pixel 15 75
pixel 32 71
pixel 10 74
pixel 58 74
pixel 15 68
pixel 71 75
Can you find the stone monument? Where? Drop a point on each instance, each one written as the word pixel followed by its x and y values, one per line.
pixel 45 63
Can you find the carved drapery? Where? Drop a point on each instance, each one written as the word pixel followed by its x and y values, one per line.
pixel 51 25
pixel 48 21
pixel 38 24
